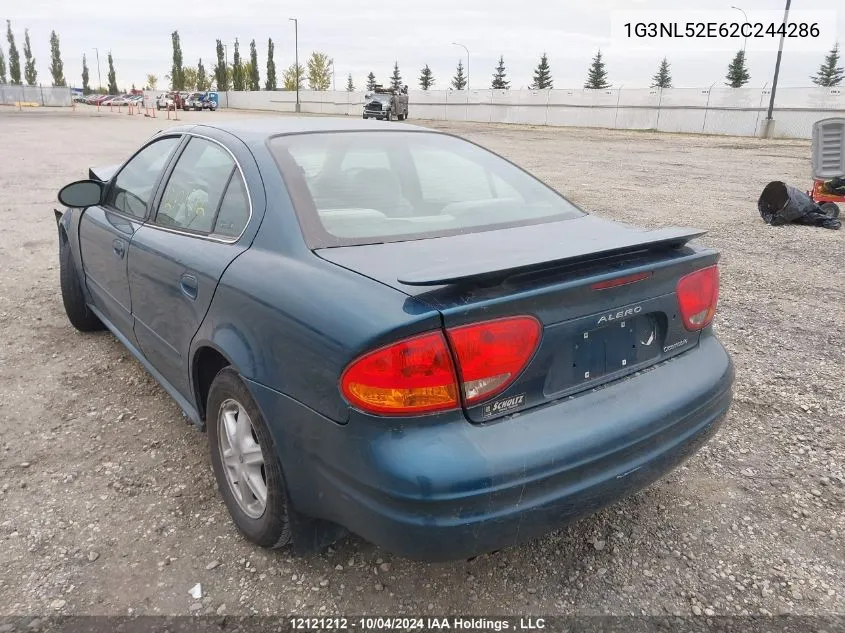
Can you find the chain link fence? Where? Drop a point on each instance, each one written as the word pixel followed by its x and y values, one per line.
pixel 28 96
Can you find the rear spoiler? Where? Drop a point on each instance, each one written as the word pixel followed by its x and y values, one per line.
pixel 524 259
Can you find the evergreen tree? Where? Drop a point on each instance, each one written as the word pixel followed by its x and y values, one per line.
pixel 350 87
pixel 254 79
pixel 270 84
pixel 663 77
pixel 112 77
pixel 221 73
pixel 396 78
pixel 830 73
pixel 152 82
pixel 14 56
pixel 56 65
pixel 86 86
pixel 426 78
pixel 738 74
pixel 29 71
pixel 203 82
pixel 177 71
pixel 542 74
pixel 459 81
pixel 500 80
pixel 238 79
pixel 371 81
pixel 2 67
pixel 597 75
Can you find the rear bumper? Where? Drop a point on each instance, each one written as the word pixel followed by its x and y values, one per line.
pixel 448 489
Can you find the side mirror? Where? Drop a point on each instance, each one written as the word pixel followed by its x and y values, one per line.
pixel 81 194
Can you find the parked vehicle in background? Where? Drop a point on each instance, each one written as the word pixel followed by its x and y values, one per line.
pixel 396 330
pixel 387 104
pixel 79 98
pixel 164 101
pixel 200 101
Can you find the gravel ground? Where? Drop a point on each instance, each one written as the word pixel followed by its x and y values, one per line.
pixel 108 501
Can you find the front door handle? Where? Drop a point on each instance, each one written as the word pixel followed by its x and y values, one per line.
pixel 119 247
pixel 188 286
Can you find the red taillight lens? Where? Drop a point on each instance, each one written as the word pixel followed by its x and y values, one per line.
pixel 491 355
pixel 412 376
pixel 698 294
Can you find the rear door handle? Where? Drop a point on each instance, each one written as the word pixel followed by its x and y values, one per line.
pixel 119 247
pixel 188 286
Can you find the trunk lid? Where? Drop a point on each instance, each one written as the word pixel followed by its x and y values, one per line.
pixel 589 336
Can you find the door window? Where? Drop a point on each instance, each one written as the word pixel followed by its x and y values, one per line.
pixel 196 186
pixel 133 187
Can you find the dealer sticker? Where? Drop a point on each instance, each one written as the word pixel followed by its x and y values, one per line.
pixel 504 405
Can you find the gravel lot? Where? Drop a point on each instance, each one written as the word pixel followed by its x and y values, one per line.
pixel 108 504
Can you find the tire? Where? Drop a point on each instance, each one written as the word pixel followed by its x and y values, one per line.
pixel 78 312
pixel 267 524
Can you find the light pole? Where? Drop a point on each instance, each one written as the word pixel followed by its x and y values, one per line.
pixel 467 50
pixel 777 72
pixel 99 76
pixel 296 68
pixel 745 41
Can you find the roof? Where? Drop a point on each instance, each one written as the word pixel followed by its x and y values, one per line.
pixel 257 130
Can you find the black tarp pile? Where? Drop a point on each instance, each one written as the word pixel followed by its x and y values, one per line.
pixel 781 204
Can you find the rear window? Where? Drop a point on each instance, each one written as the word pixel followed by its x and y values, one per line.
pixel 372 187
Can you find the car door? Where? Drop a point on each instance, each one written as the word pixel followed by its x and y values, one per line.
pixel 176 260
pixel 105 231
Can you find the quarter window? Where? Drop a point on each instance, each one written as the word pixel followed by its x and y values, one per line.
pixel 133 187
pixel 234 209
pixel 195 188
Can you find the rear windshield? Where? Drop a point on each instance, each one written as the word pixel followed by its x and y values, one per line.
pixel 354 188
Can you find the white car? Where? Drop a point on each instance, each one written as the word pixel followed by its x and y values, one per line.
pixel 163 101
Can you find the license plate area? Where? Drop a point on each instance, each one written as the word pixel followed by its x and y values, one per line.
pixel 617 348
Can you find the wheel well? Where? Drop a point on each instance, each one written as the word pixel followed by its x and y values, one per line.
pixel 207 364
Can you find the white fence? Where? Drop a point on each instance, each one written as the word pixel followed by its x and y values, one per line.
pixel 733 111
pixel 40 95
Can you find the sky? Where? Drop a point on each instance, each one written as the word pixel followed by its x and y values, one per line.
pixel 368 36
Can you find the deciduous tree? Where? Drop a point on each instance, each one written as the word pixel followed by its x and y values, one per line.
pixel 319 71
pixel 177 70
pixel 112 76
pixel 29 71
pixel 57 68
pixel 252 76
pixel 270 83
pixel 14 56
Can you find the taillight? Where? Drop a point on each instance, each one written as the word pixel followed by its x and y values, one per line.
pixel 490 355
pixel 415 375
pixel 698 294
